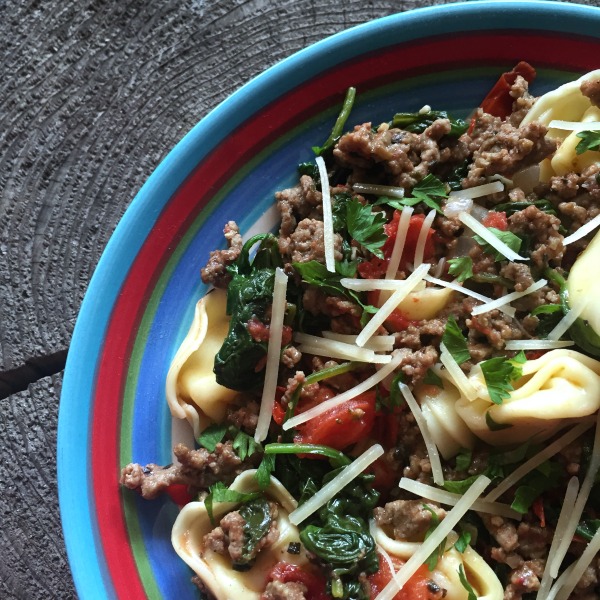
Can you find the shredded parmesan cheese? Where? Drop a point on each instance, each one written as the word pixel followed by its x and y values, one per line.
pixel 503 300
pixel 559 582
pixel 379 190
pixel 340 481
pixel 273 355
pixel 379 343
pixel 577 511
pixel 391 303
pixel 566 322
pixel 559 532
pixel 582 231
pixel 538 459
pixel 364 386
pixel 456 373
pixel 354 353
pixel 434 455
pixel 422 240
pixel 574 125
pixel 509 310
pixel 434 540
pixel 478 191
pixel 327 216
pixel 444 497
pixel 366 285
pixel 536 344
pixel 399 242
pixel 476 227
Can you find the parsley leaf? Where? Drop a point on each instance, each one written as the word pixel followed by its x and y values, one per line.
pixel 263 473
pixel 430 191
pixel 499 374
pixel 463 459
pixel 245 445
pixel 455 341
pixel 220 493
pixel 461 268
pixel 465 583
pixel 212 435
pixel 396 398
pixel 464 539
pixel 590 140
pixel 433 558
pixel 432 378
pixel 366 226
pixel 508 237
pixel 534 484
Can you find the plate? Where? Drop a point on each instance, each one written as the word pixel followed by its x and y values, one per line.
pixel 140 301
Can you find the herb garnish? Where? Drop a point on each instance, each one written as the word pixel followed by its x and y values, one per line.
pixel 455 341
pixel 465 583
pixel 419 121
pixel 430 191
pixel 461 267
pixel 499 374
pixel 432 378
pixel 508 237
pixel 338 126
pixel 464 539
pixel 220 493
pixel 433 558
pixel 590 140
pixel 366 226
pixel 243 443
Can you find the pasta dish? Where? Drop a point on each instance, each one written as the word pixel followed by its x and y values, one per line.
pixel 396 396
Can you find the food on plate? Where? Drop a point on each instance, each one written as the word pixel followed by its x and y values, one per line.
pixel 397 395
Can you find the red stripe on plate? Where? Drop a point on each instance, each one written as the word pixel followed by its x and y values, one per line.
pixel 403 61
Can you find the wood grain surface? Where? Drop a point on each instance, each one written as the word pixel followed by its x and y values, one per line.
pixel 93 94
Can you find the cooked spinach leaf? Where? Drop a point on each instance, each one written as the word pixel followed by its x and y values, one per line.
pixel 419 122
pixel 257 517
pixel 338 126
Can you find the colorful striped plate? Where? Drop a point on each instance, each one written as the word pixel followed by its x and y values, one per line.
pixel 141 297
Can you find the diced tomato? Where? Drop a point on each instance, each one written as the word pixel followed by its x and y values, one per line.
pixel 538 511
pixel 397 321
pixel 314 582
pixel 386 478
pixel 340 426
pixel 178 492
pixel 376 267
pixel 261 332
pixel 496 219
pixel 533 354
pixel 479 327
pixel 414 589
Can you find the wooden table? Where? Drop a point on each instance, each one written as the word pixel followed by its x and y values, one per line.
pixel 93 94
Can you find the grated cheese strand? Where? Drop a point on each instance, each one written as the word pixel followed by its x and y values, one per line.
pixel 364 386
pixel 536 344
pixel 582 231
pixel 391 303
pixel 482 231
pixel 503 300
pixel 422 239
pixel 355 354
pixel 379 190
pixel 538 459
pixel 559 583
pixel 574 125
pixel 334 349
pixel 456 373
pixel 399 242
pixel 559 532
pixel 563 325
pixel 444 497
pixel 366 285
pixel 379 343
pixel 340 481
pixel 508 310
pixel 273 355
pixel 478 191
pixel 577 511
pixel 409 568
pixel 434 455
pixel 580 565
pixel 327 216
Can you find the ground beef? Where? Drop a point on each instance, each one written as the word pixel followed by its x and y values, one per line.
pixel 307 243
pixel 298 203
pixel 420 334
pixel 415 364
pixel 198 469
pixel 495 327
pixel 591 89
pixel 228 538
pixel 520 273
pixel 500 148
pixel 278 590
pixel 399 157
pixel 244 417
pixel 215 271
pixel 408 518
pixel 291 356
pixel 542 229
pixel 524 580
pixel 523 101
pixel 316 302
pixel 483 263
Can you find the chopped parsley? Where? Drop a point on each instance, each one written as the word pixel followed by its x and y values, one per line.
pixel 455 341
pixel 366 226
pixel 508 237
pixel 220 493
pixel 461 267
pixel 465 583
pixel 433 558
pixel 590 140
pixel 430 191
pixel 464 539
pixel 500 373
pixel 432 378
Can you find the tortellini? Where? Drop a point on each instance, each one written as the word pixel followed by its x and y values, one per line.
pixel 560 385
pixel 480 576
pixel 566 103
pixel 215 570
pixel 426 303
pixel 191 388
